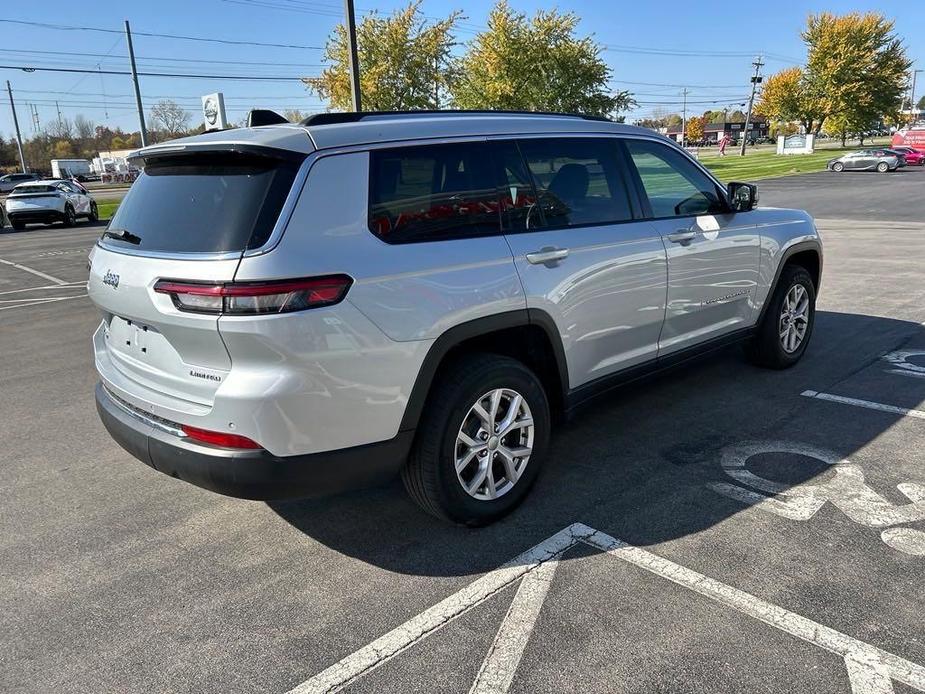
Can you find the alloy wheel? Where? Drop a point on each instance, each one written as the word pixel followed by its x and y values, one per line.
pixel 794 318
pixel 494 444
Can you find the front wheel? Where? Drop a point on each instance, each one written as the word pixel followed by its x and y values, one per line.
pixel 481 440
pixel 838 167
pixel 787 325
pixel 94 215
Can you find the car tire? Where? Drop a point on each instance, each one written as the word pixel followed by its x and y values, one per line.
pixel 838 167
pixel 18 226
pixel 883 167
pixel 70 219
pixel 94 215
pixel 456 416
pixel 785 329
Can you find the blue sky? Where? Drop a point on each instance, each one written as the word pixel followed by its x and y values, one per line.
pixel 654 49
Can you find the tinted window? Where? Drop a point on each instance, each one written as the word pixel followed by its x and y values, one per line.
pixel 577 181
pixel 207 203
pixel 517 194
pixel 431 193
pixel 23 189
pixel 674 185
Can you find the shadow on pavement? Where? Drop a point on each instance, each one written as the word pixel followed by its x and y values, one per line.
pixel 636 464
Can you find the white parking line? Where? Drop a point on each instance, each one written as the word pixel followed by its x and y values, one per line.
pixel 892 409
pixel 68 285
pixel 870 669
pixel 50 278
pixel 46 300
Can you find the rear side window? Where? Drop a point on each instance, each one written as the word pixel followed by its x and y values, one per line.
pixel 674 185
pixel 432 193
pixel 205 203
pixel 578 181
pixel 23 190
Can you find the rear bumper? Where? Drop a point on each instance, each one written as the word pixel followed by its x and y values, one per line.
pixel 36 216
pixel 252 474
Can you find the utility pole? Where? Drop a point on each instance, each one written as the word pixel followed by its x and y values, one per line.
pixel 141 110
pixel 22 159
pixel 756 80
pixel 354 63
pixel 912 108
pixel 58 109
pixel 684 93
pixel 36 123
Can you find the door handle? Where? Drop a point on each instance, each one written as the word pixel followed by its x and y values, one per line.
pixel 547 256
pixel 682 236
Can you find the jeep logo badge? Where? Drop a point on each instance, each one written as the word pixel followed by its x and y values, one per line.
pixel 112 279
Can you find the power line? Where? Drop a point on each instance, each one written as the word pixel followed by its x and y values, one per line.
pixel 155 58
pixel 29 68
pixel 179 37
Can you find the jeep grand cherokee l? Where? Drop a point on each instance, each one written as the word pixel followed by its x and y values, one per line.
pixel 296 309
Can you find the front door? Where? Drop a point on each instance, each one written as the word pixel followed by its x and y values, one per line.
pixel 583 255
pixel 713 252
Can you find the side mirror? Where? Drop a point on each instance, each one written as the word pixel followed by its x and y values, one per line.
pixel 743 196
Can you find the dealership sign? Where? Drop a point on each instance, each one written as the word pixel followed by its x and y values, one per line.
pixel 795 144
pixel 213 111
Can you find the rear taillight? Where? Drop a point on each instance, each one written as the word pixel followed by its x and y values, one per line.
pixel 250 298
pixel 218 438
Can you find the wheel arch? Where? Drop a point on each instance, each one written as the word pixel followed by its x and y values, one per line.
pixel 806 254
pixel 529 335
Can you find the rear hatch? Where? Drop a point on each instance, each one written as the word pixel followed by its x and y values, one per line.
pixel 27 198
pixel 188 218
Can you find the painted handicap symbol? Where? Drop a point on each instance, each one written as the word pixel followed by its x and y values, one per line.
pixel 846 490
pixel 902 365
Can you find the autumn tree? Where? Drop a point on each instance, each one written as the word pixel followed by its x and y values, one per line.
pixel 695 128
pixel 785 98
pixel 535 64
pixel 404 62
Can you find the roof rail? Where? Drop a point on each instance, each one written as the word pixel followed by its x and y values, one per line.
pixel 354 116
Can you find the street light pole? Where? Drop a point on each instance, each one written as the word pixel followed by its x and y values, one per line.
pixel 684 118
pixel 354 63
pixel 912 108
pixel 22 159
pixel 756 80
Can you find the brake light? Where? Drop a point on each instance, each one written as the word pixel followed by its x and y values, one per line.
pixel 218 438
pixel 250 298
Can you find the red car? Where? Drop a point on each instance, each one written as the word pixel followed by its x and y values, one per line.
pixel 914 157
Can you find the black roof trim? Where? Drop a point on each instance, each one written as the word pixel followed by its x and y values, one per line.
pixel 263 116
pixel 354 116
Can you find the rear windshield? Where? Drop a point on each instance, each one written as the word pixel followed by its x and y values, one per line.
pixel 209 203
pixel 23 190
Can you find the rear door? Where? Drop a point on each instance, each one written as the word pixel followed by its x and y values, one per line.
pixel 187 218
pixel 713 252
pixel 583 255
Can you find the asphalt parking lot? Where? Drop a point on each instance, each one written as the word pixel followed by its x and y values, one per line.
pixel 720 529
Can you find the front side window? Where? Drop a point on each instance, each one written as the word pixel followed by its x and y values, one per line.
pixel 432 193
pixel 578 181
pixel 674 185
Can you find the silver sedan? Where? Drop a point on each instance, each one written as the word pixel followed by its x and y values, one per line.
pixel 865 160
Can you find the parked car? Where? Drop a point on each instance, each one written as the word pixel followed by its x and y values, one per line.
pixel 913 157
pixel 298 309
pixel 865 160
pixel 46 202
pixel 899 155
pixel 10 181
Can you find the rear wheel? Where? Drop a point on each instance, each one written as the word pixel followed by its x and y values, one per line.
pixel 70 219
pixel 838 167
pixel 788 321
pixel 883 167
pixel 481 440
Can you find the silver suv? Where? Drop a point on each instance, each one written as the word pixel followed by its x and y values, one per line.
pixel 293 310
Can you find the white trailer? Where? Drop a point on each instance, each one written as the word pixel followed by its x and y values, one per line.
pixel 69 168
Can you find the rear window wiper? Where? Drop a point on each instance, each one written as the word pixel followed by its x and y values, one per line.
pixel 122 235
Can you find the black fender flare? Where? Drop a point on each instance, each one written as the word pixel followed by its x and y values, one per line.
pixel 478 327
pixel 799 247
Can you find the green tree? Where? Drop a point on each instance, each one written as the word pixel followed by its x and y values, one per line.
pixel 920 104
pixel 404 62
pixel 856 67
pixel 785 98
pixel 535 64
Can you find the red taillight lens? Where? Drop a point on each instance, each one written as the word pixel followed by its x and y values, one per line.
pixel 250 298
pixel 217 438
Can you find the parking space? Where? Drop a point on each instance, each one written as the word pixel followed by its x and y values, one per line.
pixel 777 523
